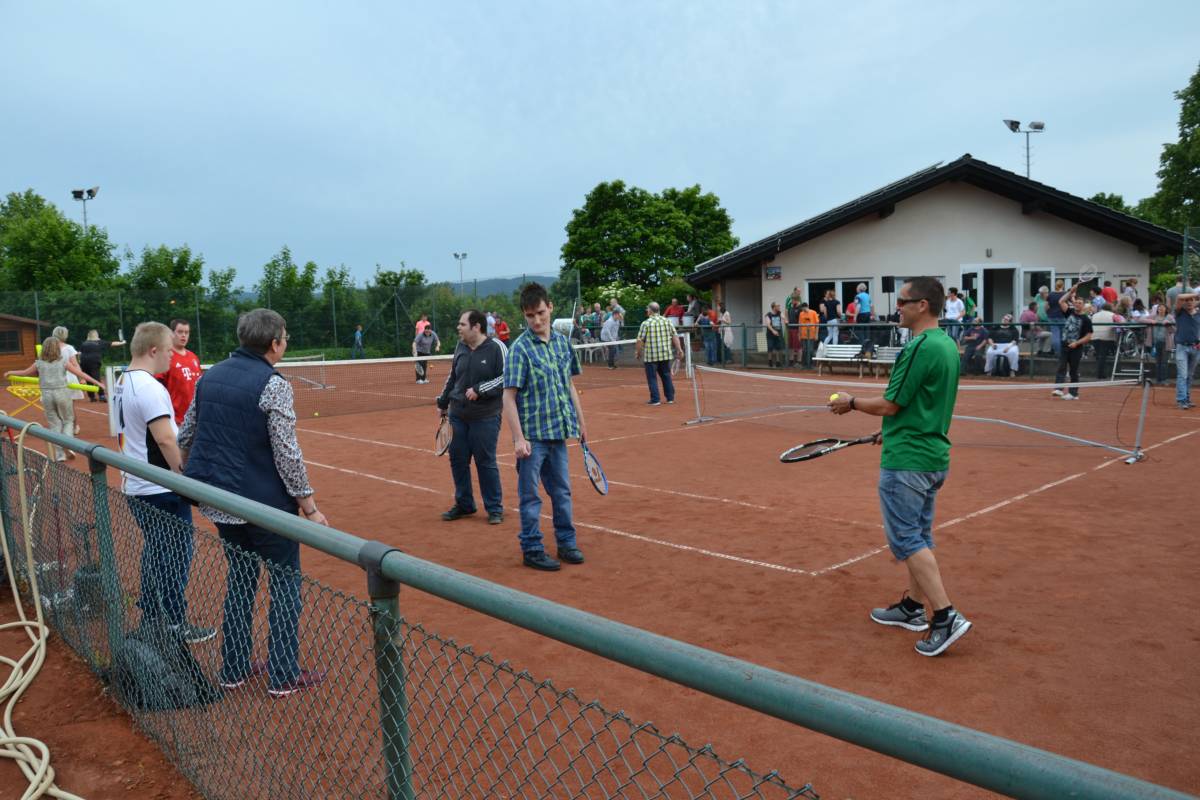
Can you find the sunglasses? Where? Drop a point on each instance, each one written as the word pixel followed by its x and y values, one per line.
pixel 903 301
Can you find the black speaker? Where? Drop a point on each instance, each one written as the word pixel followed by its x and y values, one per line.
pixel 889 284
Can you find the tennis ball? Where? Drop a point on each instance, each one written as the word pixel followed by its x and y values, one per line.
pixel 833 397
pixel 316 413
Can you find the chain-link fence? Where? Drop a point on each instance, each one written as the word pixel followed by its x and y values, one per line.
pixel 394 710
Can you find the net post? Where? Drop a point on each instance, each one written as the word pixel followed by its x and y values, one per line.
pixel 693 373
pixel 1138 455
pixel 110 581
pixel 389 670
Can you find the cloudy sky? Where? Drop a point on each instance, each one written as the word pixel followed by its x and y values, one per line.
pixel 370 133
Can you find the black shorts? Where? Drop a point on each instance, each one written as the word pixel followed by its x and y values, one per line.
pixel 774 343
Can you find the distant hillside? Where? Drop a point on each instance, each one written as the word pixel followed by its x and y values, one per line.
pixel 490 286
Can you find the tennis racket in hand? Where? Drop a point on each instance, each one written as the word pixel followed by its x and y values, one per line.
pixel 445 434
pixel 594 471
pixel 810 450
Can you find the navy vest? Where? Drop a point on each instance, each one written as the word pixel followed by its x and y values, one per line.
pixel 232 446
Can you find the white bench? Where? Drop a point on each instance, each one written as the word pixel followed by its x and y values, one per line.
pixel 840 354
pixel 884 357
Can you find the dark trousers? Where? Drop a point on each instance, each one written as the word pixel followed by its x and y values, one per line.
pixel 93 369
pixel 1068 361
pixel 166 523
pixel 660 369
pixel 810 347
pixel 476 439
pixel 1160 361
pixel 613 350
pixel 1104 351
pixel 282 558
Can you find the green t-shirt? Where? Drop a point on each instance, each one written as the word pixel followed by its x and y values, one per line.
pixel 924 383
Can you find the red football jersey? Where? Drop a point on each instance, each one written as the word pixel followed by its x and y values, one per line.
pixel 180 380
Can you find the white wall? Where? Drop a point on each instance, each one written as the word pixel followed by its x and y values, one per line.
pixel 950 225
pixel 742 301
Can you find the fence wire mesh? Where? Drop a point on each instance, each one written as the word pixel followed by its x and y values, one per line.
pixel 203 642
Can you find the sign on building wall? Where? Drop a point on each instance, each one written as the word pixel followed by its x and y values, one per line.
pixel 772 273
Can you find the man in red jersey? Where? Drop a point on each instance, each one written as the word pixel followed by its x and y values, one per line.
pixel 180 379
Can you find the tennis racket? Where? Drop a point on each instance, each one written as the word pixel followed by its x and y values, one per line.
pixel 445 434
pixel 675 362
pixel 1088 273
pixel 595 472
pixel 420 369
pixel 810 450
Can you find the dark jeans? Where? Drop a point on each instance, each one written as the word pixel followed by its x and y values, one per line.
pixel 661 369
pixel 1068 360
pixel 93 369
pixel 613 351
pixel 546 464
pixel 810 347
pixel 1161 355
pixel 1104 351
pixel 166 554
pixel 476 439
pixel 282 557
pixel 711 349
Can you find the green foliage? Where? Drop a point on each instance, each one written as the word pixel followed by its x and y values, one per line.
pixel 42 249
pixel 165 268
pixel 1114 201
pixel 631 236
pixel 1176 204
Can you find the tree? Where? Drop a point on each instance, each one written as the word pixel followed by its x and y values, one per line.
pixel 42 249
pixel 1176 204
pixel 162 267
pixel 1114 201
pixel 632 236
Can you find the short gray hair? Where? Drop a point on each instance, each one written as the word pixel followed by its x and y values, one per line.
pixel 653 307
pixel 862 287
pixel 258 328
pixel 59 333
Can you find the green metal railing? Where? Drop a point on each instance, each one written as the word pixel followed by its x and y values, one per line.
pixel 405 713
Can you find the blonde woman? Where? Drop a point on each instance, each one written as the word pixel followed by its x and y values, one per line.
pixel 51 368
pixel 71 356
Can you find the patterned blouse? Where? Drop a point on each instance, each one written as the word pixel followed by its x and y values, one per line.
pixel 277 403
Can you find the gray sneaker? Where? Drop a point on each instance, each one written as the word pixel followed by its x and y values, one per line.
pixel 896 615
pixel 940 637
pixel 193 634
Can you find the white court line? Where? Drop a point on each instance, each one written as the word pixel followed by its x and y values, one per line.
pixel 1009 501
pixel 367 441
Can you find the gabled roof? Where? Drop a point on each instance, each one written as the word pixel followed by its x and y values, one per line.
pixel 26 320
pixel 1034 197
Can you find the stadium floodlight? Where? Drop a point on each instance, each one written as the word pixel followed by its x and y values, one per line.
pixel 92 192
pixel 1033 127
pixel 460 257
pixel 83 195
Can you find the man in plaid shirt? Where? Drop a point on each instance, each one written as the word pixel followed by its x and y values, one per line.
pixel 542 410
pixel 657 344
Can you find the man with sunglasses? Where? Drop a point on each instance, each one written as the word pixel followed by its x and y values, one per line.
pixel 916 408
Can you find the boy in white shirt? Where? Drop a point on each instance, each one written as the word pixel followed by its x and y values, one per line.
pixel 147 433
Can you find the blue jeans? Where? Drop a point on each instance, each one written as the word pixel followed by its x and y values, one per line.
pixel 907 499
pixel 1186 356
pixel 1056 329
pixel 476 439
pixel 166 554
pixel 711 352
pixel 655 370
pixel 547 464
pixel 282 557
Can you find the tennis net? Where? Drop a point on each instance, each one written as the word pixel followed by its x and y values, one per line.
pixel 1109 415
pixel 359 386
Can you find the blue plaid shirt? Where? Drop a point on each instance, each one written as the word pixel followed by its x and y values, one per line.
pixel 541 373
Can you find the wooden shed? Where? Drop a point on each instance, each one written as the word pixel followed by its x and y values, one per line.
pixel 18 340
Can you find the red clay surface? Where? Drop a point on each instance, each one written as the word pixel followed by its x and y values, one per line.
pixel 1077 570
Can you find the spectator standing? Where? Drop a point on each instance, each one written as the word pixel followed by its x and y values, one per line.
pixel 673 312
pixel 615 307
pixel 1109 293
pixel 357 350
pixel 1002 343
pixel 542 410
pixel 1162 339
pixel 426 344
pixel 51 369
pixel 502 328
pixel 955 310
pixel 862 312
pixel 810 321
pixel 611 332
pixel 657 344
pixel 1130 290
pixel 1076 332
pixel 715 318
pixel 240 436
pixel 1104 338
pixel 774 323
pixel 1173 294
pixel 1041 302
pixel 183 372
pixel 422 324
pixel 491 325
pixel 91 359
pixel 792 309
pixel 727 331
pixel 1187 347
pixel 145 411
pixel 916 407
pixel 693 307
pixel 708 336
pixel 831 307
pixel 1055 317
pixel 472 397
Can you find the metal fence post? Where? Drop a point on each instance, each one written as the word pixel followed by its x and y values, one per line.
pixel 333 306
pixel 113 601
pixel 37 316
pixel 199 337
pixel 4 509
pixel 389 670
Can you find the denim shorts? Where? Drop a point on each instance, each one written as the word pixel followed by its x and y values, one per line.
pixel 906 498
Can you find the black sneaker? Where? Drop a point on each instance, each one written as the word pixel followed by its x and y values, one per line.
pixel 897 615
pixel 193 634
pixel 495 517
pixel 571 555
pixel 940 636
pixel 456 512
pixel 537 559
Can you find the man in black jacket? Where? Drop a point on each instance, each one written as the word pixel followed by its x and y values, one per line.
pixel 473 397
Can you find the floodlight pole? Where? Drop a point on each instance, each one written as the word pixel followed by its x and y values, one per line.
pixel 460 257
pixel 1033 127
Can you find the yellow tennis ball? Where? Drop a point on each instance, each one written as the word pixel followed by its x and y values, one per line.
pixel 316 413
pixel 833 397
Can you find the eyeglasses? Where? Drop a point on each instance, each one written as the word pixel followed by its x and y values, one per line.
pixel 283 338
pixel 903 301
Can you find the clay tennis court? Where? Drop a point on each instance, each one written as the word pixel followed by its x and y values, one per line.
pixel 1077 570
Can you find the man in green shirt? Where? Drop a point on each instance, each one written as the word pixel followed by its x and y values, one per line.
pixel 916 408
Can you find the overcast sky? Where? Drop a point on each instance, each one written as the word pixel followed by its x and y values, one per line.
pixel 365 133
